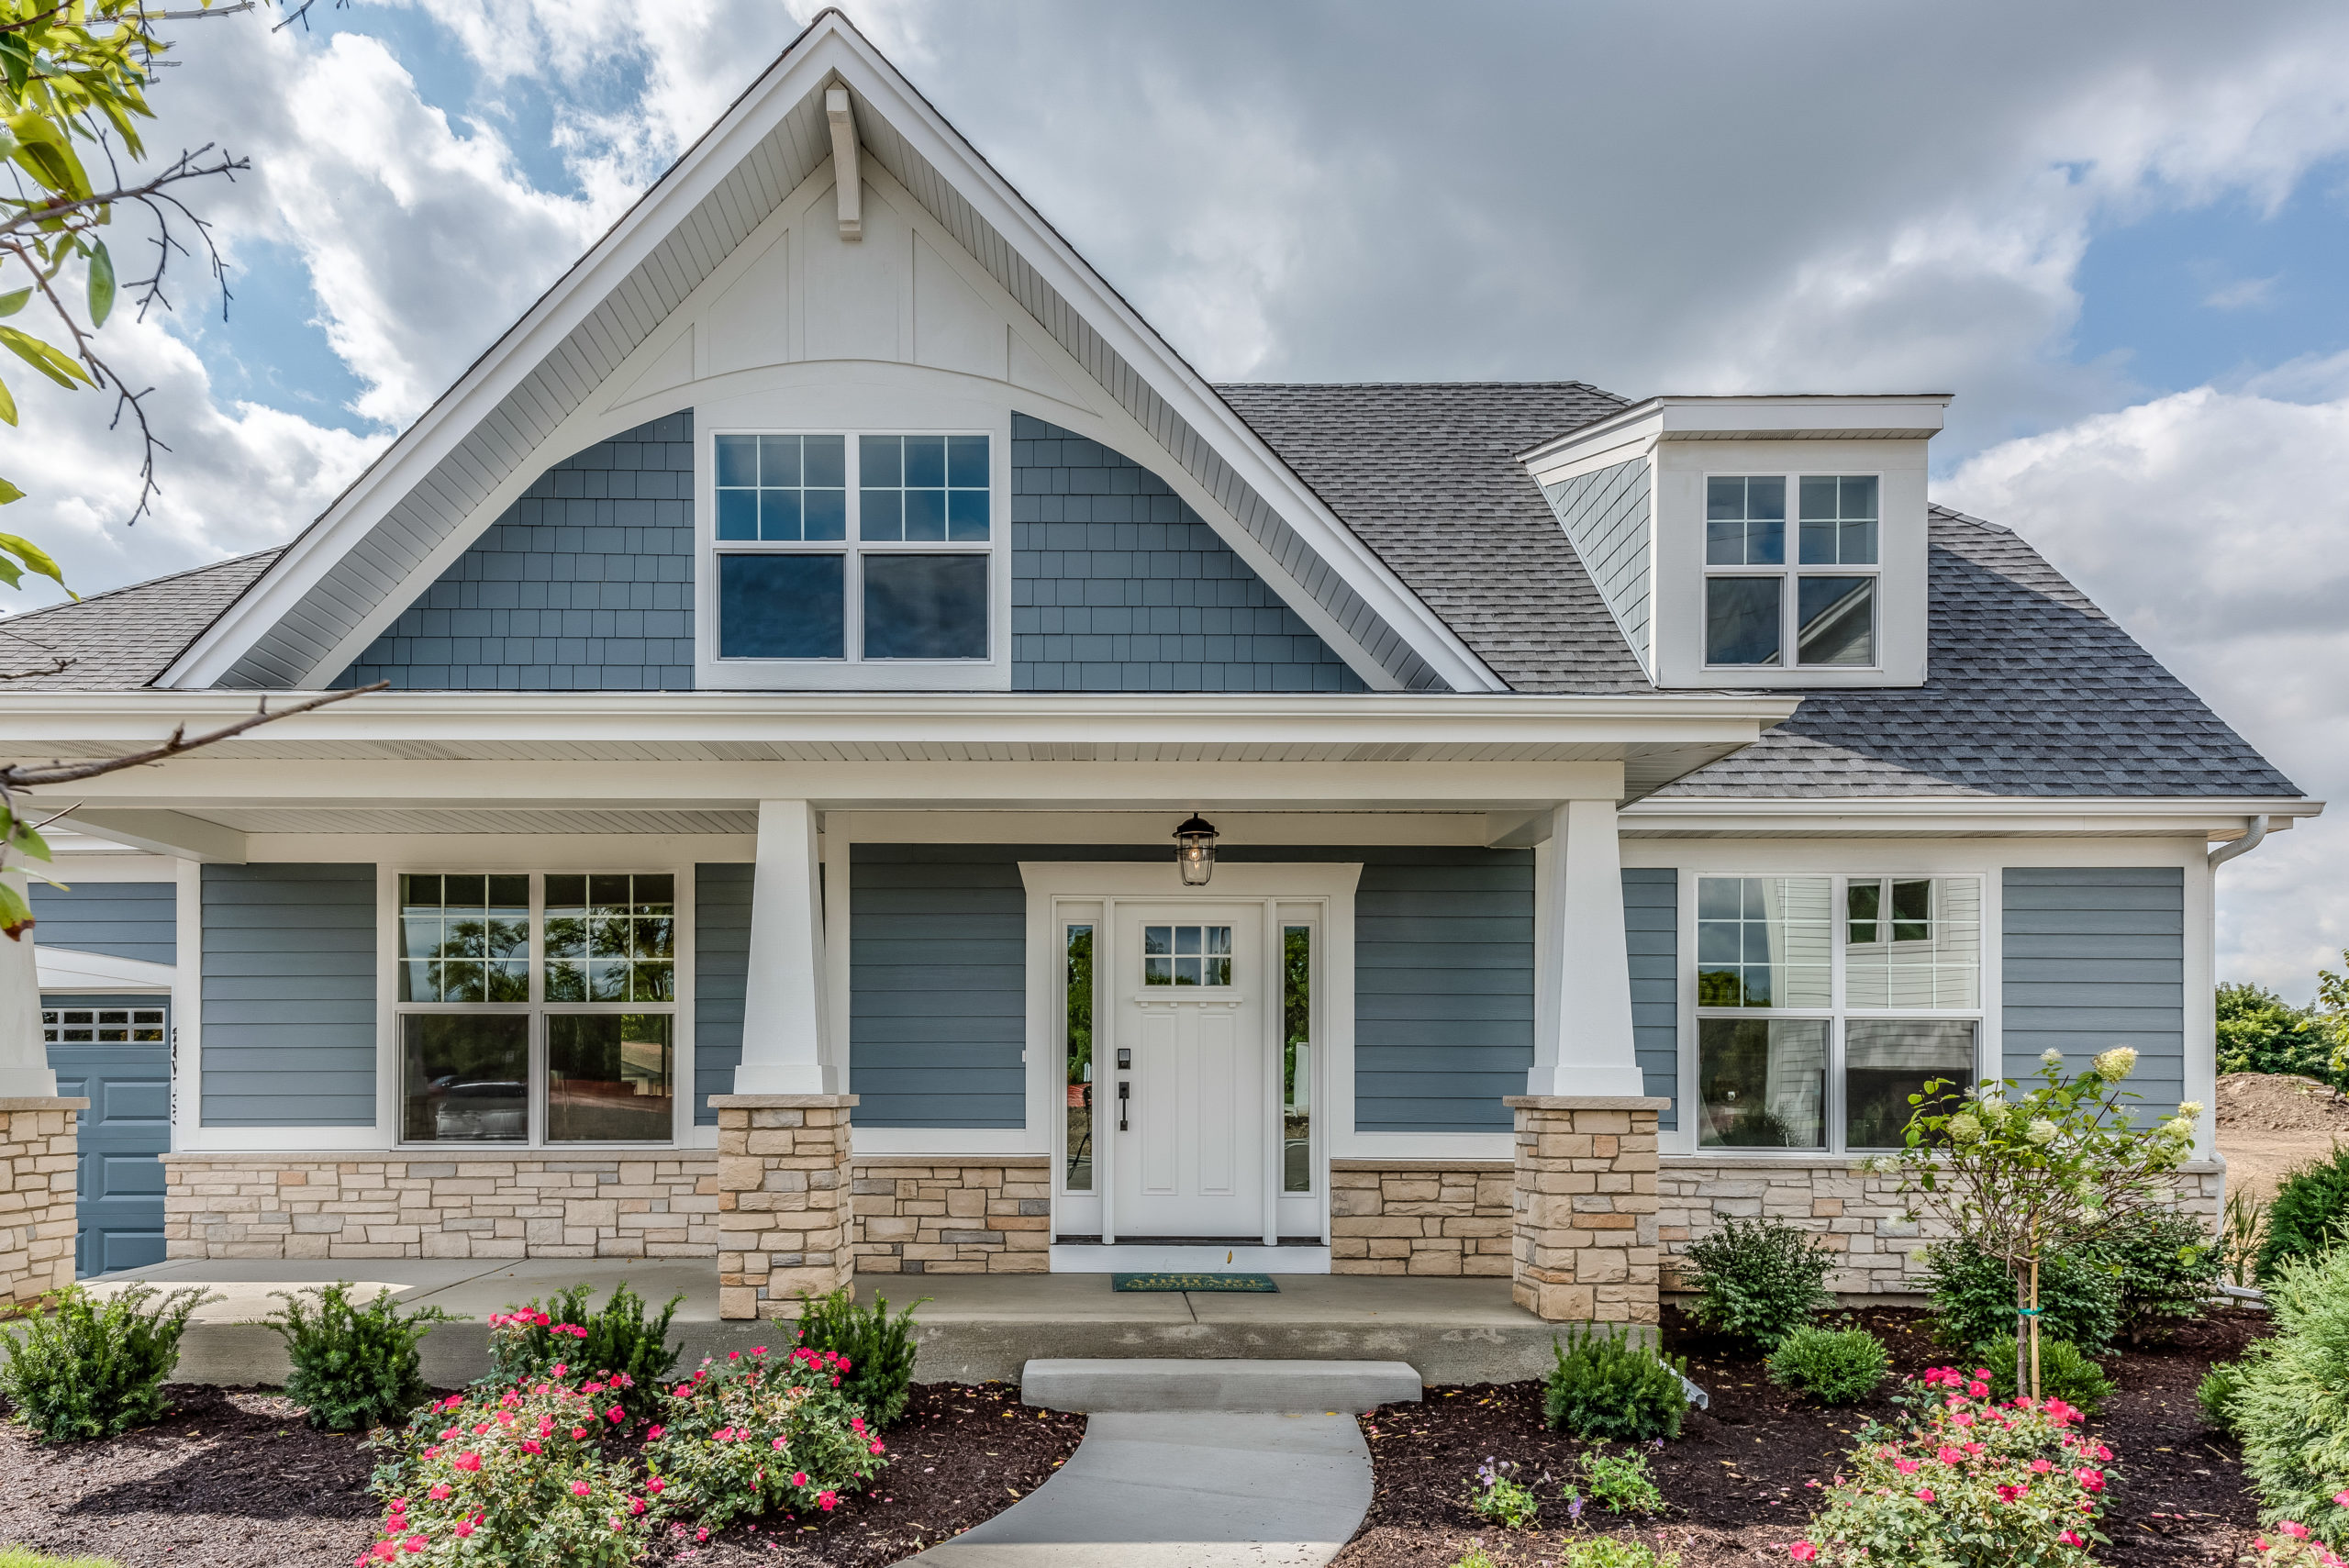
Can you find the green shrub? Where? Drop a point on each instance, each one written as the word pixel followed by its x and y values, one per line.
pixel 2308 1216
pixel 2292 1406
pixel 527 1342
pixel 1973 1296
pixel 2217 1392
pixel 2170 1266
pixel 354 1367
pixel 1477 1557
pixel 879 1347
pixel 2065 1372
pixel 1501 1498
pixel 1759 1280
pixel 1620 1482
pixel 25 1557
pixel 1608 1552
pixel 95 1365
pixel 1616 1387
pixel 1834 1367
pixel 757 1433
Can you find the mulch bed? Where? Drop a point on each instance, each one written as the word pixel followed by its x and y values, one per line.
pixel 232 1476
pixel 1735 1480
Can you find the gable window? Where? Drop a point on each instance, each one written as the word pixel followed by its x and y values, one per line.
pixel 1813 1031
pixel 537 1009
pixel 1821 613
pixel 855 547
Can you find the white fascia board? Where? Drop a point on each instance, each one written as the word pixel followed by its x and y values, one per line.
pixel 165 833
pixel 830 50
pixel 1906 416
pixel 70 969
pixel 2211 817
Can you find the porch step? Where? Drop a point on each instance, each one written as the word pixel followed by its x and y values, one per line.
pixel 1245 1387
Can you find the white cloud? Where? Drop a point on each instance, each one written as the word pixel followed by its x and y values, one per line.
pixel 2242 294
pixel 2211 525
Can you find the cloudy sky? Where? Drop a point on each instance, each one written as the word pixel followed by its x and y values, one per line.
pixel 2115 231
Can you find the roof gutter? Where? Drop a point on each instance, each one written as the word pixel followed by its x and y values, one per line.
pixel 2255 831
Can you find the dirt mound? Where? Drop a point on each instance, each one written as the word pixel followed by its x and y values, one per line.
pixel 2269 1122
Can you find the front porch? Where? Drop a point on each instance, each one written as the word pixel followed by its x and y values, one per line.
pixel 974 1328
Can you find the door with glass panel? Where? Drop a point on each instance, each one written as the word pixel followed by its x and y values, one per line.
pixel 1193 1112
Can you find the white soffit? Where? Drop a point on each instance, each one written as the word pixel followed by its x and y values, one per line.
pixel 369 547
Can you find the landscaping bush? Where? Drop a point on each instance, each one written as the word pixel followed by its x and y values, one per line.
pixel 1759 1280
pixel 96 1366
pixel 1615 1387
pixel 756 1432
pixel 524 1340
pixel 1608 1552
pixel 2308 1214
pixel 878 1350
pixel 1620 1482
pixel 1969 1484
pixel 1833 1367
pixel 2169 1266
pixel 354 1367
pixel 2292 1406
pixel 25 1557
pixel 1500 1498
pixel 2293 1546
pixel 2216 1394
pixel 513 1479
pixel 2064 1372
pixel 1973 1296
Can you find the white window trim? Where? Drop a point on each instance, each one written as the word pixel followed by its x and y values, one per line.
pixel 390 1009
pixel 1987 1049
pixel 852 672
pixel 1791 571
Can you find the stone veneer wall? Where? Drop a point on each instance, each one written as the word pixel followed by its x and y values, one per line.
pixel 1586 1201
pixel 36 1223
pixel 1854 1213
pixel 1444 1218
pixel 939 1214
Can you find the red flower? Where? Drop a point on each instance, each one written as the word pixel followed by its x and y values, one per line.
pixel 2091 1479
pixel 1924 1494
pixel 468 1460
pixel 616 1413
pixel 656 1485
pixel 2071 1537
pixel 828 1501
pixel 1802 1552
pixel 579 1488
pixel 1976 1390
pixel 439 1490
pixel 800 1478
pixel 654 1435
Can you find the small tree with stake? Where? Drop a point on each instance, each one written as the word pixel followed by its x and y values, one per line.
pixel 2024 1173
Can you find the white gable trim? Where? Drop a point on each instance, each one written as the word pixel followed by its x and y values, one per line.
pixel 479 410
pixel 70 969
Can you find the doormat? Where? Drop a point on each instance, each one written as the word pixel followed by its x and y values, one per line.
pixel 1259 1283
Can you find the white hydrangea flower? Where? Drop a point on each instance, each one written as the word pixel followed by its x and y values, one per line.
pixel 2189 1109
pixel 1963 1128
pixel 2117 1063
pixel 2051 1056
pixel 2042 1130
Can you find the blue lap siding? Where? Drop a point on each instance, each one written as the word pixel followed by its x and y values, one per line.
pixel 1652 935
pixel 2095 957
pixel 289 996
pixel 120 919
pixel 721 973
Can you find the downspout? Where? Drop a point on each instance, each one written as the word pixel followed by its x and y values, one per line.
pixel 2253 833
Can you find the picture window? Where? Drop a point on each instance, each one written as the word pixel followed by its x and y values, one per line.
pixel 1758 614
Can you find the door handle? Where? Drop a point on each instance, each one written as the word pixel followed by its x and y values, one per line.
pixel 1122 1087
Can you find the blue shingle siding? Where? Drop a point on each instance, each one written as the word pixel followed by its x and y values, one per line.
pixel 585 584
pixel 289 996
pixel 1118 586
pixel 121 920
pixel 721 973
pixel 1652 935
pixel 1444 988
pixel 2095 957
pixel 1606 514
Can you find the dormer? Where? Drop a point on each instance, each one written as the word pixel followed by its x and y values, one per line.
pixel 1755 542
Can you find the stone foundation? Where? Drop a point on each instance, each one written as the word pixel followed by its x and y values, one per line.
pixel 930 1214
pixel 783 1198
pixel 1585 1208
pixel 36 1171
pixel 1444 1217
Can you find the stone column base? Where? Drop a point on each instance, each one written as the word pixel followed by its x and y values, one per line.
pixel 1585 1202
pixel 783 1211
pixel 36 1195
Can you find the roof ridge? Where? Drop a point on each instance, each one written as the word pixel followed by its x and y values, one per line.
pixel 1952 514
pixel 1416 385
pixel 23 616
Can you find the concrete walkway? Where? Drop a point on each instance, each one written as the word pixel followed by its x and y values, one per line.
pixel 1188 1489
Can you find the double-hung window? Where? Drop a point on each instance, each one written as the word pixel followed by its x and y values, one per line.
pixel 1824 1002
pixel 855 547
pixel 537 1009
pixel 1821 613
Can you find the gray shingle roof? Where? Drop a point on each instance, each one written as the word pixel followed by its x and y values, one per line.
pixel 124 638
pixel 1425 473
pixel 2031 691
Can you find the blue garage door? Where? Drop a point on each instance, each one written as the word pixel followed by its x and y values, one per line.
pixel 117 1050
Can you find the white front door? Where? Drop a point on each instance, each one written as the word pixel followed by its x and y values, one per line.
pixel 1191 1010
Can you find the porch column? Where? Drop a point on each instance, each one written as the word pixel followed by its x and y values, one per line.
pixel 784 1021
pixel 784 1210
pixel 1586 1248
pixel 1582 1037
pixel 37 1138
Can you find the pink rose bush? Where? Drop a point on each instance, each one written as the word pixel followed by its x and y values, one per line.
pixel 2293 1545
pixel 1968 1485
pixel 758 1433
pixel 504 1478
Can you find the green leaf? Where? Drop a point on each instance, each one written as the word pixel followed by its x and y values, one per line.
pixel 7 414
pixel 21 835
pixel 15 915
pixel 53 362
pixel 12 302
pixel 8 492
pixel 34 558
pixel 17 61
pixel 100 285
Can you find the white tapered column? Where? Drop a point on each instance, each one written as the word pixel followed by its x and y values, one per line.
pixel 784 1021
pixel 23 1059
pixel 1582 1039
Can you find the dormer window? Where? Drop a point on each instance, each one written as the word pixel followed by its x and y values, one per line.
pixel 1822 614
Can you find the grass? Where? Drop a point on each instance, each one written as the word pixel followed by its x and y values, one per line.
pixel 24 1557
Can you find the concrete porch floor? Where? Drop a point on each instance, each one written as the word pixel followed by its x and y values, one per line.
pixel 973 1328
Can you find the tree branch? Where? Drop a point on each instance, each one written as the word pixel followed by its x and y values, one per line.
pixel 15 775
